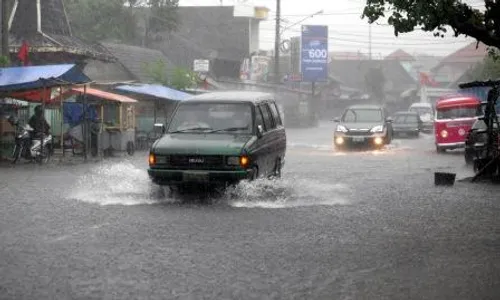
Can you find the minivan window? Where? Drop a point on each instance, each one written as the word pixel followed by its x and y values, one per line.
pixel 206 117
pixel 275 113
pixel 363 115
pixel 259 120
pixel 268 119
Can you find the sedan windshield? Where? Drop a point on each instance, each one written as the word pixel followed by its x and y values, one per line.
pixel 363 115
pixel 212 117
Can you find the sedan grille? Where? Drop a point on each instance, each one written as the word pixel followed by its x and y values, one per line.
pixel 197 161
pixel 359 133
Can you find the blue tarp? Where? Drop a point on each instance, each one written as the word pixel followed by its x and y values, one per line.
pixel 480 92
pixel 73 113
pixel 36 77
pixel 155 90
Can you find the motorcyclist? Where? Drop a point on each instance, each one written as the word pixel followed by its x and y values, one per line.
pixel 38 122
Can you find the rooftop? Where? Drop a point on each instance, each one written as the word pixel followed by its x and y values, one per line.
pixel 233 96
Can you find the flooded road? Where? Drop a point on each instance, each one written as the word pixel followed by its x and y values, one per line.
pixel 339 225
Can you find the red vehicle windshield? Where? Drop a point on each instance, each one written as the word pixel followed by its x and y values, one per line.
pixel 458 112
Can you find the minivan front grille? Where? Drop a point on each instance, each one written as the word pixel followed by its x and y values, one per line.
pixel 197 161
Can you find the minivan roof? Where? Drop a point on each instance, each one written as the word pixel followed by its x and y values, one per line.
pixel 365 106
pixel 236 96
pixel 421 104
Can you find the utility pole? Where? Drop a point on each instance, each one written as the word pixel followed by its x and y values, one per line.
pixel 277 43
pixel 370 41
pixel 5 27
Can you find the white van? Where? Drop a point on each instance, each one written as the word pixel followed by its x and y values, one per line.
pixel 426 113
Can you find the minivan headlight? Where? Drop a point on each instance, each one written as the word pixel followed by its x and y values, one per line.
pixel 242 161
pixel 341 128
pixel 152 159
pixel 378 128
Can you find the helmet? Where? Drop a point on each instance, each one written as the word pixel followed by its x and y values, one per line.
pixel 13 120
pixel 38 109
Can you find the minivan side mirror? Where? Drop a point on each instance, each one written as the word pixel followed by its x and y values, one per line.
pixel 336 120
pixel 260 131
pixel 159 127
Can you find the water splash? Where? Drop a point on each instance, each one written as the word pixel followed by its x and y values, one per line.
pixel 117 184
pixel 286 192
pixel 126 184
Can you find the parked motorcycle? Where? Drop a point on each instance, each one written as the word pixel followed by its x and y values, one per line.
pixel 28 146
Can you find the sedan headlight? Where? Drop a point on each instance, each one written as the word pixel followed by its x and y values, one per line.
pixel 378 128
pixel 341 128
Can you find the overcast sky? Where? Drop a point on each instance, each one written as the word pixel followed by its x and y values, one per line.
pixel 348 32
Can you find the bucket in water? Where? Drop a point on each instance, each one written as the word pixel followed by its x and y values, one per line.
pixel 441 178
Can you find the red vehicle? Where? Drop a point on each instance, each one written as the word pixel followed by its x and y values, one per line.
pixel 454 118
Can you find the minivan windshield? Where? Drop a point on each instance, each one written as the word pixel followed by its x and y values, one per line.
pixel 362 116
pixel 421 110
pixel 459 112
pixel 212 117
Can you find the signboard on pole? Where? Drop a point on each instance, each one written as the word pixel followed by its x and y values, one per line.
pixel 201 65
pixel 314 53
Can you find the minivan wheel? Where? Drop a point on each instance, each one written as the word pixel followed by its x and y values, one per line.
pixel 277 169
pixel 255 174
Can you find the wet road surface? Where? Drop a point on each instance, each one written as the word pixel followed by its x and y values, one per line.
pixel 357 225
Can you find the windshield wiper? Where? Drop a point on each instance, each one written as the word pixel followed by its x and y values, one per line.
pixel 230 129
pixel 191 129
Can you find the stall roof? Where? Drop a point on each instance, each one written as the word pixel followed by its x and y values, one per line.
pixel 17 79
pixel 104 95
pixel 155 90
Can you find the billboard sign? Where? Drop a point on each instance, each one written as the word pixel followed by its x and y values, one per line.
pixel 314 53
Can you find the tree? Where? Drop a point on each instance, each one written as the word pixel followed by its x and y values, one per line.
pixel 438 15
pixel 158 16
pixel 178 78
pixel 183 79
pixel 98 20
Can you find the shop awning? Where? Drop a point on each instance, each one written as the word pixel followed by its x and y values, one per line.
pixel 155 90
pixel 104 95
pixel 18 79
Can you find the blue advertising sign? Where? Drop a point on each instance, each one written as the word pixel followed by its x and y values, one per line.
pixel 314 53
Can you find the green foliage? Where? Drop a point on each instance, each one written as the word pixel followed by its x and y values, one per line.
pixel 4 61
pixel 157 72
pixel 121 20
pixel 375 83
pixel 178 78
pixel 438 15
pixel 183 79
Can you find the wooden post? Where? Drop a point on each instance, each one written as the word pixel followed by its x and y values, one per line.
pixel 62 119
pixel 84 125
pixel 4 15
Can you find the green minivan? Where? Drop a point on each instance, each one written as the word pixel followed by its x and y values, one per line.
pixel 218 139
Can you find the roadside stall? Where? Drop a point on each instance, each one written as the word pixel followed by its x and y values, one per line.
pixel 156 104
pixel 43 85
pixel 115 131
